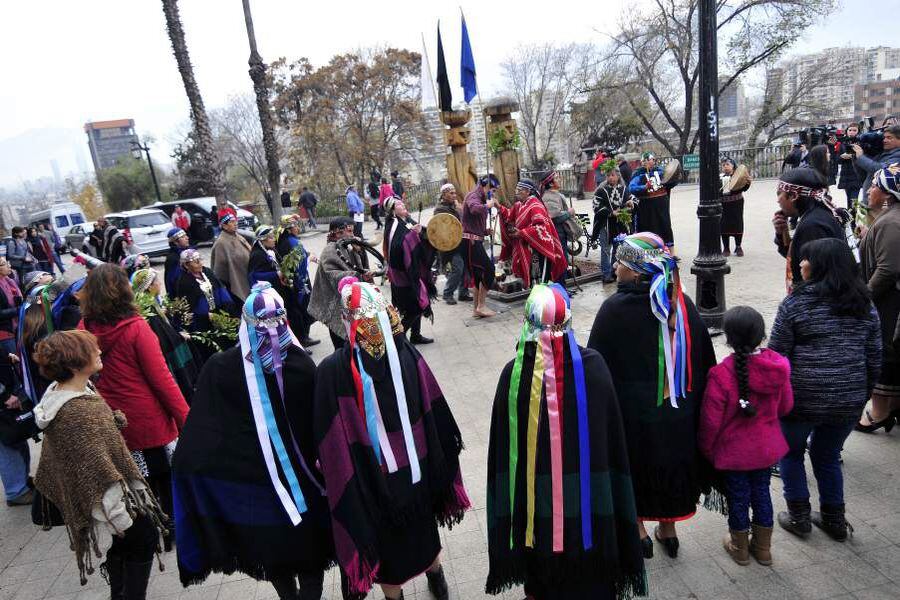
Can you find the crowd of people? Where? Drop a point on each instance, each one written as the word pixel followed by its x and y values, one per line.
pixel 183 410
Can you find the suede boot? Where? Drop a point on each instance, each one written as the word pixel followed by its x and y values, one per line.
pixel 737 545
pixel 437 583
pixel 761 544
pixel 796 519
pixel 137 576
pixel 831 520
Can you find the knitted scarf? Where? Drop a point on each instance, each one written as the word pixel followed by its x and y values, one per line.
pixel 82 456
pixel 560 507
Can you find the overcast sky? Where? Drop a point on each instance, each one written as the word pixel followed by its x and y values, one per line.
pixel 67 62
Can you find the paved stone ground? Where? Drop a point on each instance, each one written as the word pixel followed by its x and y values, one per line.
pixel 467 359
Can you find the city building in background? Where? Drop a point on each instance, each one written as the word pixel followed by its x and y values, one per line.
pixel 877 99
pixel 108 141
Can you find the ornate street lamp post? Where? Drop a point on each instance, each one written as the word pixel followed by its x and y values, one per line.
pixel 710 267
pixel 136 148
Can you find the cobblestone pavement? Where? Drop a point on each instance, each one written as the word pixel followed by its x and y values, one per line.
pixel 467 357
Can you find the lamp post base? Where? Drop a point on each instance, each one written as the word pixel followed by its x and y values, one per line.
pixel 710 293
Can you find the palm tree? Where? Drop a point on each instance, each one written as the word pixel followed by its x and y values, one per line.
pixel 202 130
pixel 260 87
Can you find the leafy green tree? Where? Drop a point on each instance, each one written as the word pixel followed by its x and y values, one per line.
pixel 127 185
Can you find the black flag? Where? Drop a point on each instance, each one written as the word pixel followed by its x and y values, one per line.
pixel 445 98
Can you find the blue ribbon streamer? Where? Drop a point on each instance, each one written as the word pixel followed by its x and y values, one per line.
pixel 369 403
pixel 584 443
pixel 272 427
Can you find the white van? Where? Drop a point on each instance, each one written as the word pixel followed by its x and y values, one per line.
pixel 62 216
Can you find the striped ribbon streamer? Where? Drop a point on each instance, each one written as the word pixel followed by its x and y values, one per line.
pixel 267 429
pixel 400 391
pixel 374 421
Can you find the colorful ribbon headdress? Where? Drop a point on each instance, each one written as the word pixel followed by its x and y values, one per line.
pixel 547 324
pixel 264 338
pixel 888 180
pixel 361 301
pixel 647 254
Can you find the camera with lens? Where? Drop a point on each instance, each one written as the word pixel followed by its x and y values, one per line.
pixel 813 136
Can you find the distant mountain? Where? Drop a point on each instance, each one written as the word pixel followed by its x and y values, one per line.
pixel 27 155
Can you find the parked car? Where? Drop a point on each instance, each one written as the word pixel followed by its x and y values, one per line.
pixel 145 227
pixel 76 237
pixel 201 221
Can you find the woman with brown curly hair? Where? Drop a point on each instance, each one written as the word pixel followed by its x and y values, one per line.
pixel 135 377
pixel 87 473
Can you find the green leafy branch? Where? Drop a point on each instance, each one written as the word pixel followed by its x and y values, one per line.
pixel 499 141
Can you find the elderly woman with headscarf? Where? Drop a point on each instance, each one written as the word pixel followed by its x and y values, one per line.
pixel 529 237
pixel 247 457
pixel 658 351
pixel 880 252
pixel 732 225
pixel 544 487
pixel 409 260
pixel 204 293
pixel 147 286
pixel 389 449
pixel 294 262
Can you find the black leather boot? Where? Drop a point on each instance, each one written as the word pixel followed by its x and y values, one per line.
pixel 797 518
pixel 437 583
pixel 113 570
pixel 137 576
pixel 831 520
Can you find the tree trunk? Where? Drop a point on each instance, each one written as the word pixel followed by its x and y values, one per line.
pixel 202 130
pixel 258 76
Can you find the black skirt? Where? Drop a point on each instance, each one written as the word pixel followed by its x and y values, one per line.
pixel 409 550
pixel 733 215
pixel 652 214
pixel 478 263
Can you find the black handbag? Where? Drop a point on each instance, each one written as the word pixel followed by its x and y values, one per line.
pixel 44 512
pixel 16 424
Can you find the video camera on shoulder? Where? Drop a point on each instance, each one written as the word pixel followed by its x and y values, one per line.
pixel 813 136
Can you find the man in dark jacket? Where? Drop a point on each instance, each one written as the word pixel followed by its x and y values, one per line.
pixel 849 180
pixel 801 195
pixel 890 155
pixel 308 201
pixel 396 184
pixel 19 254
pixel 610 197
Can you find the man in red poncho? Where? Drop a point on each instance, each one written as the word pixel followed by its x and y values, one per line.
pixel 530 239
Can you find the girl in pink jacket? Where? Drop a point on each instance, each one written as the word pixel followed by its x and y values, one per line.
pixel 740 433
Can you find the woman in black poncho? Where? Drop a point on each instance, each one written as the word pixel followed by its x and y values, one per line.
pixel 248 497
pixel 560 508
pixel 658 351
pixel 389 449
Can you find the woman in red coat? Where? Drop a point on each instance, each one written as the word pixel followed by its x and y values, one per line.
pixel 135 377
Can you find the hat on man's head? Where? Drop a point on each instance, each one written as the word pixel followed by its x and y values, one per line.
pixel 31 280
pixel 227 218
pixel 175 233
pixel 648 156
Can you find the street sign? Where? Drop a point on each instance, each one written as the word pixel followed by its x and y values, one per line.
pixel 690 162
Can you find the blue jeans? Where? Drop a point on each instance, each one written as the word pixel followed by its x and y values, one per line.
pixel 746 490
pixel 15 462
pixel 59 263
pixel 456 276
pixel 825 444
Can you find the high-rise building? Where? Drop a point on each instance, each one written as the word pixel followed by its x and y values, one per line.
pixel 877 99
pixel 108 141
pixel 882 63
pixel 732 103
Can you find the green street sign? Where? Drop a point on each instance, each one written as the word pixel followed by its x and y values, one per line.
pixel 690 162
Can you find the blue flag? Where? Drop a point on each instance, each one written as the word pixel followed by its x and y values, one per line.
pixel 467 66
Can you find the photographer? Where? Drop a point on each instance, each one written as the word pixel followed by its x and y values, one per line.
pixel 849 180
pixel 891 154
